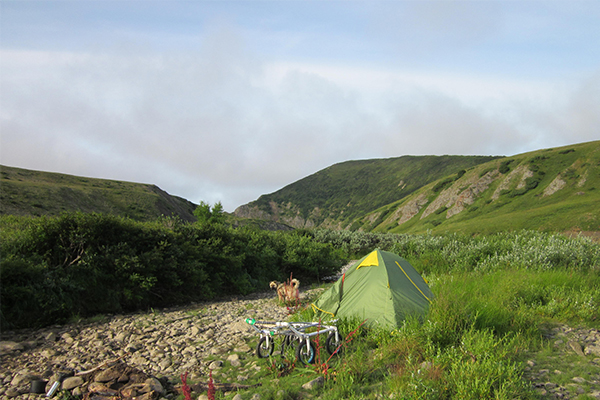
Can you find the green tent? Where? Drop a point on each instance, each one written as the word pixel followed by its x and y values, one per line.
pixel 382 288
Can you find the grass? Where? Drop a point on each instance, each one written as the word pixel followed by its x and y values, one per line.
pixel 35 193
pixel 481 329
pixel 580 212
pixel 345 192
pixel 417 361
pixel 528 207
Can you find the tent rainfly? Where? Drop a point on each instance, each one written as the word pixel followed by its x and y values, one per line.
pixel 382 288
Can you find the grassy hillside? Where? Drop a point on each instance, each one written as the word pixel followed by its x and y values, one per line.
pixel 552 189
pixel 342 193
pixel 35 193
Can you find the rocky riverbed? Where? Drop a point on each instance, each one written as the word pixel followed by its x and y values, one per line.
pixel 145 354
pixel 163 344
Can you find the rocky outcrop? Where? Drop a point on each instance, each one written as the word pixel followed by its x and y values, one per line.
pixel 583 179
pixel 285 213
pixel 527 173
pixel 253 212
pixel 507 182
pixel 330 223
pixel 469 195
pixel 456 198
pixel 410 209
pixel 554 186
pixel 372 217
pixel 445 199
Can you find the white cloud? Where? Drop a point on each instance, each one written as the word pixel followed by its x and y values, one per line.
pixel 222 124
pixel 471 89
pixel 578 120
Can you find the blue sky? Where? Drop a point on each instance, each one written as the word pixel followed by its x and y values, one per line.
pixel 228 100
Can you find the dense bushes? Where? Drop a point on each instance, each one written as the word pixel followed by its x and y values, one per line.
pixel 455 253
pixel 505 166
pixel 53 269
pixel 443 184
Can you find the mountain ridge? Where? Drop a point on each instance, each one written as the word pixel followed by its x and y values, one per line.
pixel 35 193
pixel 337 193
pixel 552 189
pixel 549 189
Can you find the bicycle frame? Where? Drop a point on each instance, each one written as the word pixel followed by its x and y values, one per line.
pixel 295 330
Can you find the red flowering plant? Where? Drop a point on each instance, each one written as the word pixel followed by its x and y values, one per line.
pixel 211 387
pixel 187 392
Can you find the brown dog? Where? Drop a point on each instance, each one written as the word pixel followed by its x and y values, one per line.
pixel 291 290
pixel 279 288
pixel 286 291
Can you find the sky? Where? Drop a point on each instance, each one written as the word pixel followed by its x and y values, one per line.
pixel 223 101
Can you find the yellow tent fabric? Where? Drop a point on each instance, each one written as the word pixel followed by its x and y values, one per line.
pixel 370 261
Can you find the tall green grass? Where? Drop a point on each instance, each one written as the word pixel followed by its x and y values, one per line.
pixel 464 349
pixel 472 344
pixel 494 296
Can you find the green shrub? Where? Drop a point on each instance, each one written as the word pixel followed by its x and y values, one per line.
pixel 522 250
pixel 532 182
pixel 517 192
pixel 441 185
pixel 441 210
pixel 567 151
pixel 493 295
pixel 84 264
pixel 505 166
pixel 484 368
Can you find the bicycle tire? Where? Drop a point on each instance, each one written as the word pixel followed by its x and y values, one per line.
pixel 264 349
pixel 305 354
pixel 332 345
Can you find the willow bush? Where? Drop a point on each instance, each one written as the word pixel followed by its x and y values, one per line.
pixel 453 253
pixel 56 268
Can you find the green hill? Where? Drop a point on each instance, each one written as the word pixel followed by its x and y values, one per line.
pixel 551 189
pixel 343 193
pixel 36 193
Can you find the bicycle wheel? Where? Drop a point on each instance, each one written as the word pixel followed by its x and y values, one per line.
pixel 305 352
pixel 333 345
pixel 264 349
